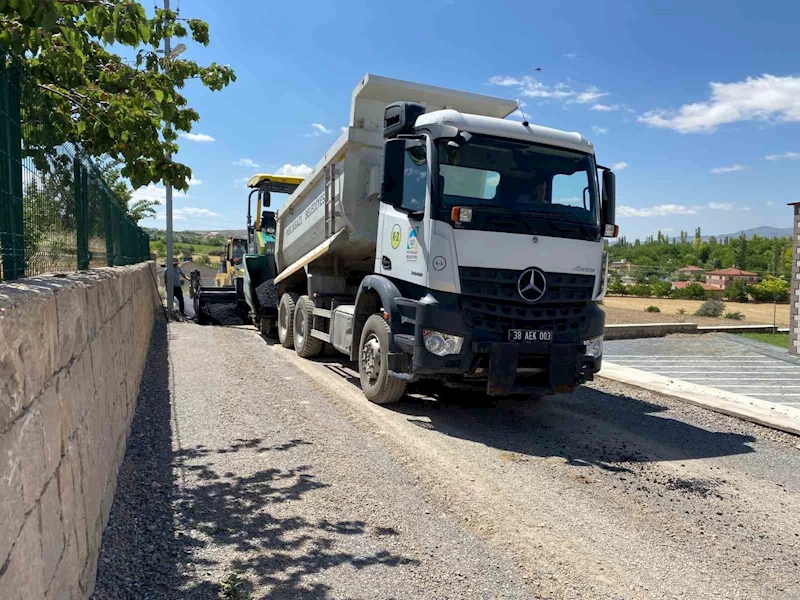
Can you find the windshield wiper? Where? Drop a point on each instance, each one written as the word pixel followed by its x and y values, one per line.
pixel 556 218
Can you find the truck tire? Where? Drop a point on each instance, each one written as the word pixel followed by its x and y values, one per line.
pixel 286 320
pixel 305 345
pixel 373 363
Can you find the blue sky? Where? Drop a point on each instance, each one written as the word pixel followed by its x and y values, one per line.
pixel 697 103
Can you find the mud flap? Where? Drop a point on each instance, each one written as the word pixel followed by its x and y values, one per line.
pixel 502 369
pixel 564 367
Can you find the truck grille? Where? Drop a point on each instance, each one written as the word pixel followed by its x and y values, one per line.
pixel 490 302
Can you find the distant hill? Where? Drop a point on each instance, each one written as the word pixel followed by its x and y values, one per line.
pixel 764 231
pixel 240 233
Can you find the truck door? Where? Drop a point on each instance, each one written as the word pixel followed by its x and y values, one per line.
pixel 402 252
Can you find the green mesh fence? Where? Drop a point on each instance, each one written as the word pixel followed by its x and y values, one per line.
pixel 56 212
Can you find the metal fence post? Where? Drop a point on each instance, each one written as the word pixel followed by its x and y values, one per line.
pixel 81 215
pixel 12 235
pixel 109 228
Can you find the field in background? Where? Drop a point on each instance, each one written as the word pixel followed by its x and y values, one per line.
pixel 631 310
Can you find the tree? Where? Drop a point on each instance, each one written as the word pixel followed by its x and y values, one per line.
pixel 698 238
pixel 693 291
pixel 740 252
pixel 93 97
pixel 737 291
pixel 771 289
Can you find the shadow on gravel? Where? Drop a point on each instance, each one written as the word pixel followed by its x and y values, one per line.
pixel 170 504
pixel 588 427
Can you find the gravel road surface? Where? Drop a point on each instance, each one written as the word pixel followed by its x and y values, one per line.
pixel 252 473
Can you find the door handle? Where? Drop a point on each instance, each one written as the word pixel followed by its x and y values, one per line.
pixel 386 263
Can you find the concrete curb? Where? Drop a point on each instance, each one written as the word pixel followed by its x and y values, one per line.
pixel 769 414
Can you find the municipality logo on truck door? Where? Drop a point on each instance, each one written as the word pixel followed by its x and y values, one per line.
pixel 412 245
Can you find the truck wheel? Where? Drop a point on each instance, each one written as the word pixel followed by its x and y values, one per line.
pixel 305 345
pixel 286 320
pixel 373 363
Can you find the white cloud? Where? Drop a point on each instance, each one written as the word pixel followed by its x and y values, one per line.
pixel 156 192
pixel 192 181
pixel 765 98
pixel 660 210
pixel 784 156
pixel 530 87
pixel 619 166
pixel 731 169
pixel 302 170
pixel 570 55
pixel 319 129
pixel 605 107
pixel 187 212
pixel 599 130
pixel 503 80
pixel 246 162
pixel 241 182
pixel 745 208
pixel 193 211
pixel 770 203
pixel 196 137
pixel 720 205
pixel 343 129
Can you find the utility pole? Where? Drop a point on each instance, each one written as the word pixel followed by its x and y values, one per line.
pixel 170 270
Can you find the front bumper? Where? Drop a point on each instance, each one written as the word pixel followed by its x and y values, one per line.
pixel 487 360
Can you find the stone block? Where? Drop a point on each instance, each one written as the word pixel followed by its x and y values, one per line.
pixel 51 428
pixel 23 576
pixel 68 404
pixel 71 311
pixel 30 329
pixel 66 492
pixel 13 399
pixel 12 511
pixel 30 438
pixel 52 531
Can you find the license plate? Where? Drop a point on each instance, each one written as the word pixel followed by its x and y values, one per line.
pixel 529 335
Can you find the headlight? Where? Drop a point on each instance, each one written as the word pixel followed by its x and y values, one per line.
pixel 594 347
pixel 441 344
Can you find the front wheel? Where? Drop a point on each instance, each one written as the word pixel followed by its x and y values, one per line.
pixel 373 363
pixel 305 345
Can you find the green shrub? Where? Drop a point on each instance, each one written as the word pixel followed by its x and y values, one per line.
pixel 771 289
pixel 652 309
pixel 736 316
pixel 662 289
pixel 737 292
pixel 693 291
pixel 711 308
pixel 640 289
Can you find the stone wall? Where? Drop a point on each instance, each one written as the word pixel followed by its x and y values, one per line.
pixel 794 310
pixel 72 351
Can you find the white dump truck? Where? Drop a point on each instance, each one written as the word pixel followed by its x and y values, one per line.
pixel 439 240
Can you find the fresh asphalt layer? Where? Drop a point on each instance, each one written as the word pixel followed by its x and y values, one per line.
pixel 716 360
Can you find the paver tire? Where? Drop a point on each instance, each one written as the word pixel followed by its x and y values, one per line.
pixel 286 309
pixel 373 363
pixel 305 345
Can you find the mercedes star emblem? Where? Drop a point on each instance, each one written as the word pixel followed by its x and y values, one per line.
pixel 532 285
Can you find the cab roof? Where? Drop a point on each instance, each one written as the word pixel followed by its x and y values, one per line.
pixel 275 183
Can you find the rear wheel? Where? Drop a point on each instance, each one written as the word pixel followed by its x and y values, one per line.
pixel 286 320
pixel 373 363
pixel 305 345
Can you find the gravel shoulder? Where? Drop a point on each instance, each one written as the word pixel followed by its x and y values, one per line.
pixel 251 463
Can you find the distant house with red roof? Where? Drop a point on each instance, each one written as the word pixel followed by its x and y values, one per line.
pixel 679 285
pixel 689 270
pixel 724 278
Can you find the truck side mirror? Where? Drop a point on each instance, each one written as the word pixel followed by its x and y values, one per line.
pixel 610 228
pixel 393 167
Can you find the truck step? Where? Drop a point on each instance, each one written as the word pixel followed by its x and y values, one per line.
pixel 322 312
pixel 320 335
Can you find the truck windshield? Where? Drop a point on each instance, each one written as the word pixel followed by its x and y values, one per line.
pixel 525 181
